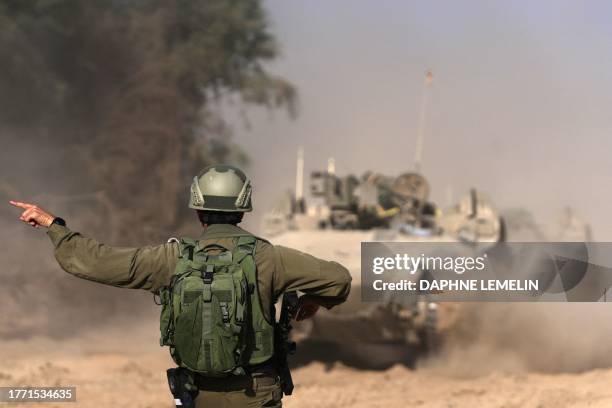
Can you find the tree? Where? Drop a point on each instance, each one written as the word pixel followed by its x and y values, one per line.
pixel 121 93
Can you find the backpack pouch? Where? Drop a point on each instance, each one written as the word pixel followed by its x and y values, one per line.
pixel 207 333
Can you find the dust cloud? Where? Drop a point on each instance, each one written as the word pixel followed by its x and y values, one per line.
pixel 525 337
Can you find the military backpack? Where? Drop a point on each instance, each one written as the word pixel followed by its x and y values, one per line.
pixel 212 317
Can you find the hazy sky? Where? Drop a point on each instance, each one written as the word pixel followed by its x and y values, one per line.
pixel 520 107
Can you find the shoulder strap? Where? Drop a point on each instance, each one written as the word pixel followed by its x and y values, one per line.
pixel 245 248
pixel 236 234
pixel 187 246
pixel 246 243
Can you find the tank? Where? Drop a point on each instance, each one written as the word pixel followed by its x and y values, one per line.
pixel 342 212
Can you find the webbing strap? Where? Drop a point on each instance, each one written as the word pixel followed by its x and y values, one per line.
pixel 187 246
pixel 244 255
pixel 207 277
pixel 245 248
pixel 246 244
pixel 224 312
pixel 240 305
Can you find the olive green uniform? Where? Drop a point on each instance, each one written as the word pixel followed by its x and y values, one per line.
pixel 279 269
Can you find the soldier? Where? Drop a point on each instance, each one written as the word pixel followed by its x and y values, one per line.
pixel 218 291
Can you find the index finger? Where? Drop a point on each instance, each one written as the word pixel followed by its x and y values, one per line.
pixel 20 204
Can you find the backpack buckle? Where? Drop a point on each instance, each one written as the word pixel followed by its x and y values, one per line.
pixel 225 312
pixel 207 275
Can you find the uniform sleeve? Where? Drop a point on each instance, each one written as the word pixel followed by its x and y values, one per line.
pixel 138 268
pixel 295 270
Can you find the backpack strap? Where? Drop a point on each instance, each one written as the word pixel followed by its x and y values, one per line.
pixel 246 244
pixel 187 247
pixel 245 249
pixel 244 252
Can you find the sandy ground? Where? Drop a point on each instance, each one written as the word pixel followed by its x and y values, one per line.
pixel 57 330
pixel 113 369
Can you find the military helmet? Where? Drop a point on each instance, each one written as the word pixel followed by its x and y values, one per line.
pixel 221 188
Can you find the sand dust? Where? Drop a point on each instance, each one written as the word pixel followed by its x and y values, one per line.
pixel 126 368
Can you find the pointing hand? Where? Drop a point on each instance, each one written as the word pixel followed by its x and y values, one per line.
pixel 34 215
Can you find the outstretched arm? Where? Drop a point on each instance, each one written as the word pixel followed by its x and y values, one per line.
pixel 139 268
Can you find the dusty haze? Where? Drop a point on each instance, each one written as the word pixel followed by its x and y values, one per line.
pixel 519 105
pixel 519 109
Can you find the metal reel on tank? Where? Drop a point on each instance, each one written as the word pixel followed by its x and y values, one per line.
pixel 409 186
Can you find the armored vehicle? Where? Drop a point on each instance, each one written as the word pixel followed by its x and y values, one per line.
pixel 344 211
